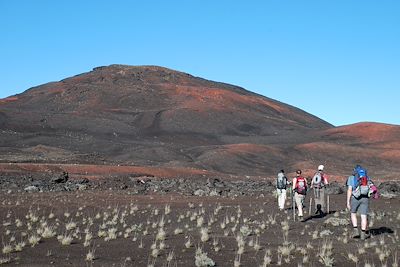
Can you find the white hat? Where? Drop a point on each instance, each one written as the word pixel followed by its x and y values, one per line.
pixel 321 167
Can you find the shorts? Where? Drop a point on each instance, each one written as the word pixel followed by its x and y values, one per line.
pixel 360 205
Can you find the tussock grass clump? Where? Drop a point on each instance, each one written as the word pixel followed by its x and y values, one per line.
pixel 267 259
pixel 285 251
pixel 245 230
pixel 88 238
pixel 48 232
pixel 90 256
pixel 167 209
pixel 7 249
pixel 18 223
pixel 201 259
pixel 200 221
pixel 325 254
pixel 170 257
pixel 70 225
pixel 204 237
pixel 188 242
pixel 257 245
pixel 20 246
pixel 111 234
pixel 65 239
pixel 34 240
pixel 236 262
pixel 178 231
pixel 5 260
pixel 155 252
pixel 161 235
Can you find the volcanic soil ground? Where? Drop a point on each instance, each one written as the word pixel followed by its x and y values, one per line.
pixel 166 230
pixel 146 166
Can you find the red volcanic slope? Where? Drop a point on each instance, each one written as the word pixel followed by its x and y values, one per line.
pixel 367 133
pixel 77 171
pixel 157 117
pixel 8 99
pixel 374 145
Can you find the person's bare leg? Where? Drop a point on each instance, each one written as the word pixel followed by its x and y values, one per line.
pixel 354 219
pixel 355 233
pixel 364 222
pixel 299 205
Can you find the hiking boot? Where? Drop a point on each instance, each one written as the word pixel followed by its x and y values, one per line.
pixel 364 235
pixel 356 233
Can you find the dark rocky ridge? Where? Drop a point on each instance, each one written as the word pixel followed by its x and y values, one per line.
pixel 143 185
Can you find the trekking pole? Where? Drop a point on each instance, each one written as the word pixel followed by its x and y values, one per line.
pixel 309 208
pixel 293 206
pixel 328 204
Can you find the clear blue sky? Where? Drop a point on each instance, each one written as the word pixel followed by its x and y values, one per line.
pixel 338 59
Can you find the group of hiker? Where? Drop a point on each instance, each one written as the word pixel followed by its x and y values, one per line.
pixel 360 189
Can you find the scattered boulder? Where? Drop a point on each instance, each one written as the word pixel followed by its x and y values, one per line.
pixel 82 187
pixel 200 193
pixel 38 183
pixel 63 178
pixel 31 188
pixel 335 221
pixel 325 232
pixel 82 181
pixel 335 188
pixel 389 189
pixel 70 187
pixel 123 187
pixel 215 193
pixel 12 185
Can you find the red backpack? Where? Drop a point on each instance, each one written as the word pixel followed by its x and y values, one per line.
pixel 301 185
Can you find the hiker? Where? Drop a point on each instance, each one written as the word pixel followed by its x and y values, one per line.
pixel 300 190
pixel 281 185
pixel 318 184
pixel 358 193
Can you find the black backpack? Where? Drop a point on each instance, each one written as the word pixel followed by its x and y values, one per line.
pixel 281 181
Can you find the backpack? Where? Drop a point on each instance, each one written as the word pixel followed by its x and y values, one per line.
pixel 362 182
pixel 317 180
pixel 373 191
pixel 359 171
pixel 301 186
pixel 281 181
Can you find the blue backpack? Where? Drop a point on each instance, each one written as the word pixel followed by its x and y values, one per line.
pixel 359 171
pixel 362 181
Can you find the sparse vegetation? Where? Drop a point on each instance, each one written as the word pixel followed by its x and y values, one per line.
pixel 90 256
pixel 223 235
pixel 202 260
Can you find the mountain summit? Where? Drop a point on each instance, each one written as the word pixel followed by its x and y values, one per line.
pixel 154 116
